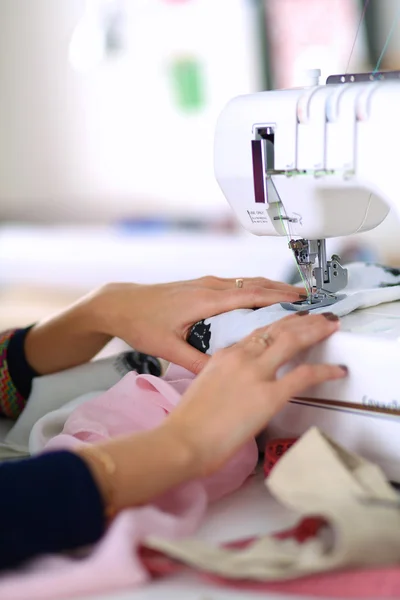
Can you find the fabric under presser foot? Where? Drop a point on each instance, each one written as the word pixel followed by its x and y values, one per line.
pixel 369 285
pixel 318 303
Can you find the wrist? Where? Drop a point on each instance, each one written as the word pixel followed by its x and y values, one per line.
pixel 67 339
pixel 133 470
pixel 107 311
pixel 167 464
pixel 94 311
pixel 180 457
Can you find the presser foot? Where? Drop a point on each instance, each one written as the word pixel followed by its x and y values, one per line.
pixel 317 300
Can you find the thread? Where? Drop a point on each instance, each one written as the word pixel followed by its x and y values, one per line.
pixel 389 37
pixel 307 284
pixel 357 32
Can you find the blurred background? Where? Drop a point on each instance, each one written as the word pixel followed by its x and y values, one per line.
pixel 107 117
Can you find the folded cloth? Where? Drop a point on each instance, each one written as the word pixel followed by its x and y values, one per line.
pixel 51 392
pixel 369 285
pixel 52 424
pixel 371 583
pixel 357 511
pixel 136 403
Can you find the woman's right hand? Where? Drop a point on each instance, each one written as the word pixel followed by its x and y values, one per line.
pixel 231 401
pixel 238 392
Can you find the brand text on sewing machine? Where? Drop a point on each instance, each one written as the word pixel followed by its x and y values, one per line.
pixel 389 405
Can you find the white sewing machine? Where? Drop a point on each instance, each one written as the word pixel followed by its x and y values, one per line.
pixel 310 164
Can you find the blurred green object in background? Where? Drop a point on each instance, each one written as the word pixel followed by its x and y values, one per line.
pixel 188 83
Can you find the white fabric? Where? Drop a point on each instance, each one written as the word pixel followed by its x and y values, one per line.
pixel 5 451
pixel 52 424
pixel 52 392
pixel 369 285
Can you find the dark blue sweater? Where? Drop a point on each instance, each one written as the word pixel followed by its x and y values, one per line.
pixel 49 503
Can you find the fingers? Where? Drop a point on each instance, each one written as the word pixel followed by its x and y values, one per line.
pixel 295 336
pixel 306 376
pixel 255 344
pixel 220 283
pixel 184 355
pixel 260 339
pixel 249 297
pixel 275 285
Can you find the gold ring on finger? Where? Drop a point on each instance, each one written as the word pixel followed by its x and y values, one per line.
pixel 265 339
pixel 239 283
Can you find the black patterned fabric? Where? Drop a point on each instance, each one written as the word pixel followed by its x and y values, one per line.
pixel 199 336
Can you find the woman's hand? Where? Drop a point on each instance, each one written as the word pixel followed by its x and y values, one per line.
pixel 231 401
pixel 238 392
pixel 156 319
pixel 151 318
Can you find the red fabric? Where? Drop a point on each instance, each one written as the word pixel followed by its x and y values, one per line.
pixel 273 452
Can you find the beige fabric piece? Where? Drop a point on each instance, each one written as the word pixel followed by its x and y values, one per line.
pixel 316 477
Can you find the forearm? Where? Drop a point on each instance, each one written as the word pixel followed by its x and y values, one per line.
pixel 58 501
pixel 67 339
pixel 61 342
pixel 146 465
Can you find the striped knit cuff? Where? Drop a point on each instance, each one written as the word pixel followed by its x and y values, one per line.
pixel 12 402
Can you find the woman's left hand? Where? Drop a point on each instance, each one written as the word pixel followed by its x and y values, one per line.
pixel 156 319
pixel 151 318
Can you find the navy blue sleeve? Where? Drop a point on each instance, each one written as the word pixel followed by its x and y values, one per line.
pixel 48 504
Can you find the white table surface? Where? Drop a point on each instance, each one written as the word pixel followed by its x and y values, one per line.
pixel 250 511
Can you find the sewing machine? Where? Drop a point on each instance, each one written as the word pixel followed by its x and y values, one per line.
pixel 310 164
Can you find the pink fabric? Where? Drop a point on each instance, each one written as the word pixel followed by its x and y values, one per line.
pixel 136 403
pixel 116 562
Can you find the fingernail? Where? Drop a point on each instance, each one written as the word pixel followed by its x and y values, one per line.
pixel 303 297
pixel 330 316
pixel 301 313
pixel 344 368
